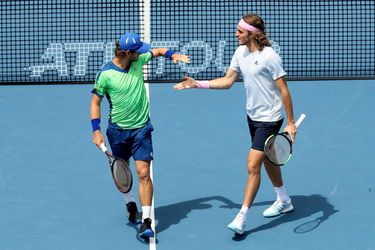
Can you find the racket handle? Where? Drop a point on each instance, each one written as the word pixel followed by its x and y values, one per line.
pixel 103 147
pixel 300 119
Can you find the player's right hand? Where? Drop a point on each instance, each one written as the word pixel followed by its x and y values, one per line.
pixel 187 83
pixel 97 138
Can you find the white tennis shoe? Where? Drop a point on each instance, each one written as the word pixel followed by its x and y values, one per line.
pixel 278 208
pixel 238 224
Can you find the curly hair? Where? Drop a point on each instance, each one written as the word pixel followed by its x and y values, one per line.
pixel 260 37
pixel 118 52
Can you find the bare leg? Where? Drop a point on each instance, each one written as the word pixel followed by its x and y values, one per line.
pixel 254 163
pixel 145 183
pixel 145 197
pixel 283 202
pixel 274 173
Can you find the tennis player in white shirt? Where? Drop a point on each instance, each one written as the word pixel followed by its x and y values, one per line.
pixel 267 93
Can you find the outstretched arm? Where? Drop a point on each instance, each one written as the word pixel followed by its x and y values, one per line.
pixel 174 56
pixel 225 82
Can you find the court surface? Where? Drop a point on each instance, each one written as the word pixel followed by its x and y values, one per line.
pixel 56 191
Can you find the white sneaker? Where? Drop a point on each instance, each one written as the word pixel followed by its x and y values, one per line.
pixel 238 224
pixel 278 208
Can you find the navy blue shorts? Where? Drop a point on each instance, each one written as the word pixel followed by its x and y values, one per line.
pixel 126 143
pixel 260 131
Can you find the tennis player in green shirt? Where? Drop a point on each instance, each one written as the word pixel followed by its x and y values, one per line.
pixel 129 127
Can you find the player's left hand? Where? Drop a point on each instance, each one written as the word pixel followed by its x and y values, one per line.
pixel 182 58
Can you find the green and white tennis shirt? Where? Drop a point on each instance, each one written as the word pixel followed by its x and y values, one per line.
pixel 126 93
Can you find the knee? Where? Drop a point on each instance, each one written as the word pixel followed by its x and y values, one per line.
pixel 253 169
pixel 144 174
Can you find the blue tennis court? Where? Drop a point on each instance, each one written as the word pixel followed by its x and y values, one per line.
pixel 57 193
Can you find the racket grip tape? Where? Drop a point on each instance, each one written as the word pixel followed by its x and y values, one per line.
pixel 300 119
pixel 103 147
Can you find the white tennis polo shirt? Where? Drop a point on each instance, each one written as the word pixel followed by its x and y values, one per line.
pixel 259 71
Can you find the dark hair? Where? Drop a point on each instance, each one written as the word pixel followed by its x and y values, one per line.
pixel 260 37
pixel 118 52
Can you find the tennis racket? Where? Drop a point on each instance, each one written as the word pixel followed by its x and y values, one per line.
pixel 278 147
pixel 121 173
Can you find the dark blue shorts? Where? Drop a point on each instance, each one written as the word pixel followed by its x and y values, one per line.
pixel 126 143
pixel 260 131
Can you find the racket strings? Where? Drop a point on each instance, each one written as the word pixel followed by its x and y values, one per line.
pixel 278 149
pixel 122 174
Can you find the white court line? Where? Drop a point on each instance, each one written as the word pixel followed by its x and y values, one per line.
pixel 152 212
pixel 145 26
pixel 152 215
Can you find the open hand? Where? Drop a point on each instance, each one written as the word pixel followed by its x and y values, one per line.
pixel 182 58
pixel 187 83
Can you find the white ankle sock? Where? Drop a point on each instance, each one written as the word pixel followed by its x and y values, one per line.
pixel 146 210
pixel 244 210
pixel 282 195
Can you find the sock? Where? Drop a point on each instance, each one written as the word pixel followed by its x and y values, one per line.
pixel 146 210
pixel 129 197
pixel 244 210
pixel 242 214
pixel 282 194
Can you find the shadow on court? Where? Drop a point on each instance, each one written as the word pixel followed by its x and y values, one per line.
pixel 304 207
pixel 172 214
